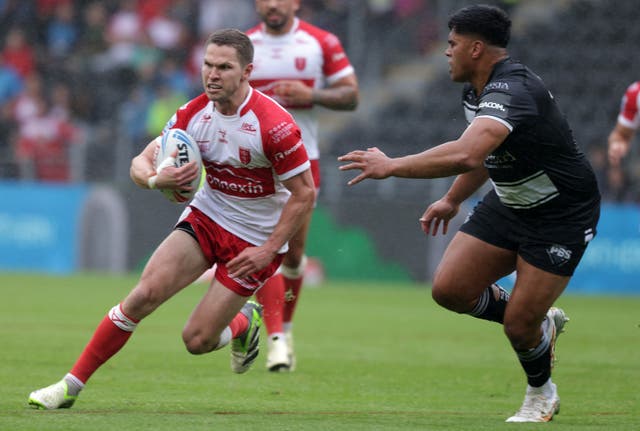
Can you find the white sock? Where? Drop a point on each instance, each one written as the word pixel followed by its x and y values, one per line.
pixel 73 383
pixel 276 335
pixel 546 389
pixel 225 338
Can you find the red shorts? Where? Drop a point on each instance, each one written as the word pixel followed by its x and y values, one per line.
pixel 219 247
pixel 315 172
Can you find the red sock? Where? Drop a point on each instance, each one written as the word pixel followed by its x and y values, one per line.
pixel 271 297
pixel 107 340
pixel 238 325
pixel 293 287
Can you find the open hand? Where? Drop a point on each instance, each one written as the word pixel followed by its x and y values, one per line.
pixel 249 261
pixel 440 211
pixel 373 163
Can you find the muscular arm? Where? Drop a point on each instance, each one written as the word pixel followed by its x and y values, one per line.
pixel 466 184
pixel 342 95
pixel 443 210
pixel 295 212
pixel 143 167
pixel 619 143
pixel 465 154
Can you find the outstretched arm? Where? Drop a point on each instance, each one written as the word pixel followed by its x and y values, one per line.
pixel 466 153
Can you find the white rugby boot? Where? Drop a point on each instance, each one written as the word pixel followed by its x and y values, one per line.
pixel 557 320
pixel 277 354
pixel 52 397
pixel 538 405
pixel 288 336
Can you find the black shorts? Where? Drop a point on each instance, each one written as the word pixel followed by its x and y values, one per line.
pixel 553 247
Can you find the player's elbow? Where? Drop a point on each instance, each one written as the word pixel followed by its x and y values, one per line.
pixel 308 197
pixel 468 161
pixel 353 102
pixel 350 99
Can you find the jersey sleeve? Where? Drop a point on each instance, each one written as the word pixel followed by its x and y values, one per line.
pixel 506 103
pixel 285 150
pixel 336 64
pixel 628 115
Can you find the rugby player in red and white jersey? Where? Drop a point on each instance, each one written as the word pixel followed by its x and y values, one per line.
pixel 259 191
pixel 302 67
pixel 626 125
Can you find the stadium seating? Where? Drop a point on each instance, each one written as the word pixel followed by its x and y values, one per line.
pixel 584 54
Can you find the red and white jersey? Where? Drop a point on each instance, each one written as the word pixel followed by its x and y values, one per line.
pixel 246 156
pixel 307 53
pixel 629 115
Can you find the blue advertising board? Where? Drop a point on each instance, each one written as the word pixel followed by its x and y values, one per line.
pixel 39 226
pixel 611 264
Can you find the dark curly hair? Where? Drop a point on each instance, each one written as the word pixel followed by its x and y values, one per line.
pixel 490 23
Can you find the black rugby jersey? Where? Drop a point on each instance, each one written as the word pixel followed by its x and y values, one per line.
pixel 538 170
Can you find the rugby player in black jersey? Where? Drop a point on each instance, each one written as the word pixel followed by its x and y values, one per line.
pixel 536 220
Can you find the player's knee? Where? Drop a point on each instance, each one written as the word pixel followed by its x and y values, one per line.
pixel 521 335
pixel 196 343
pixel 142 301
pixel 197 346
pixel 444 295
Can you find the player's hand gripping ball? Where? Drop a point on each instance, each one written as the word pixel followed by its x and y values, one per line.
pixel 180 143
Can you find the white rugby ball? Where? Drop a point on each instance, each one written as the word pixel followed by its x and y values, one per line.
pixel 177 148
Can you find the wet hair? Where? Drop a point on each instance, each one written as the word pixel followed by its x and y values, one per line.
pixel 490 23
pixel 235 39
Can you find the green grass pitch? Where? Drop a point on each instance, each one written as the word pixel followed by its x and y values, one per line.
pixel 370 357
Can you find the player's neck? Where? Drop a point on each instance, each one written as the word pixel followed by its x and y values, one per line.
pixel 230 106
pixel 484 71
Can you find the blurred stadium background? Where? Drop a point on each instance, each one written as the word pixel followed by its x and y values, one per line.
pixel 84 85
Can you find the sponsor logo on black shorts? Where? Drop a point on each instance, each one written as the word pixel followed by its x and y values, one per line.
pixel 558 254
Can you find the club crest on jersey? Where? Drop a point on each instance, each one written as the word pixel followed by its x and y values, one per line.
pixel 245 155
pixel 301 63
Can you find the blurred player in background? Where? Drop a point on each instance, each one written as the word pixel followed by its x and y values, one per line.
pixel 539 216
pixel 302 67
pixel 259 191
pixel 622 134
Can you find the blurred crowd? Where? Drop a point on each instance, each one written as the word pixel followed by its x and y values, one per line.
pixel 68 66
pixel 80 77
pixel 73 71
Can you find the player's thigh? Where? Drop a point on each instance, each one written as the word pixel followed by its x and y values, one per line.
pixel 214 312
pixel 469 265
pixel 175 264
pixel 534 291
